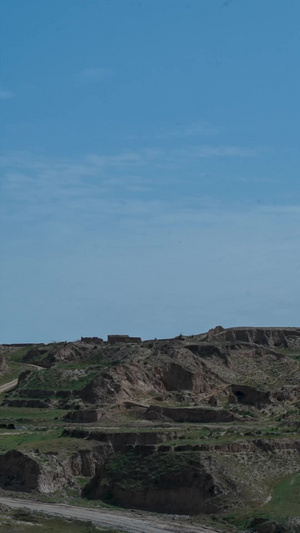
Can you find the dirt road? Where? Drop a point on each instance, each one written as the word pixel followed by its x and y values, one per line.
pixel 12 384
pixel 8 386
pixel 130 521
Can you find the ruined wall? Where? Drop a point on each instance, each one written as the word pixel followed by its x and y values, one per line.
pixel 113 339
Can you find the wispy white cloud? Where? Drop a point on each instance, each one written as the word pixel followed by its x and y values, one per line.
pixel 83 236
pixel 114 172
pixel 104 178
pixel 89 202
pixel 130 185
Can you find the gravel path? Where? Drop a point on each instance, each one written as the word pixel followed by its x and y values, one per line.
pixel 130 521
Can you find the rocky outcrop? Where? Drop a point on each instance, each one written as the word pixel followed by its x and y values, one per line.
pixel 245 394
pixel 175 377
pixel 273 337
pixel 190 414
pixel 21 472
pixel 50 471
pixel 212 333
pixel 287 393
pixel 244 446
pixel 47 355
pixel 204 349
pixel 118 441
pixel 86 462
pixel 117 384
pixel 83 416
pixel 278 445
pixel 104 388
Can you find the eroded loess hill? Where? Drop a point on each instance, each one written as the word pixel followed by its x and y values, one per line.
pixel 192 370
pixel 207 423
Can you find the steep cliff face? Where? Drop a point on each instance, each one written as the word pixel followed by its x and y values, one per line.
pixel 119 441
pixel 272 337
pixel 245 394
pixel 86 462
pixel 21 472
pixel 118 383
pixel 161 482
pixel 85 416
pixel 190 414
pixel 34 471
pixel 195 479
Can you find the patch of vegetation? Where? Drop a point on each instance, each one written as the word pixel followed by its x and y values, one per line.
pixel 23 521
pixel 17 354
pixel 43 439
pixel 12 372
pixel 14 369
pixel 82 481
pixel 228 433
pixel 58 379
pixel 27 440
pixel 288 351
pixel 133 471
pixel 280 511
pixel 28 415
pixel 285 497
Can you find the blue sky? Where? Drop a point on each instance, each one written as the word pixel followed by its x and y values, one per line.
pixel 149 167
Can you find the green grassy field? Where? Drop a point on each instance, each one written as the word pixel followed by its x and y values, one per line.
pixel 281 509
pixel 27 415
pixel 44 439
pixel 285 497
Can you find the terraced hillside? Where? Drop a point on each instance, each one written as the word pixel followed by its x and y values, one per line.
pixel 204 425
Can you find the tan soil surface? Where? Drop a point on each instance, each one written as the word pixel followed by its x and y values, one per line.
pixel 130 521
